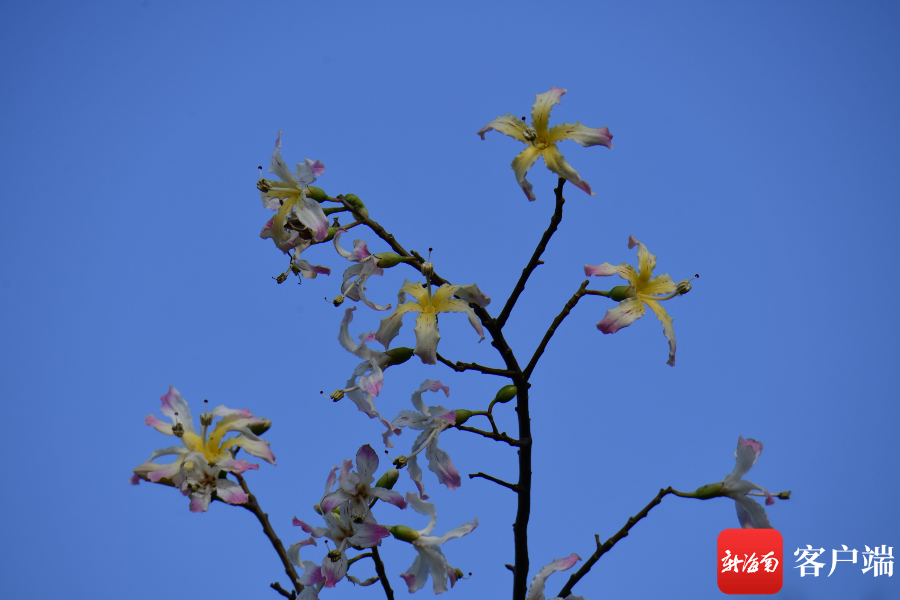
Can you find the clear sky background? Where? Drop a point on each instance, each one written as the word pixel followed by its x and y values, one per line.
pixel 755 144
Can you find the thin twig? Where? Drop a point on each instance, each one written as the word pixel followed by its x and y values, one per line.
pixel 559 319
pixel 461 366
pixel 379 568
pixel 604 548
pixel 277 587
pixel 358 557
pixel 511 486
pixel 253 506
pixel 536 257
pixel 490 417
pixel 500 437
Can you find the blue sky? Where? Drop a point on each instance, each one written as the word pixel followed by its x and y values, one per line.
pixel 755 144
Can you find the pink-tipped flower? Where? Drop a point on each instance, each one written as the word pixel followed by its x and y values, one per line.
pixel 298 220
pixel 541 141
pixel 750 514
pixel 431 421
pixel 643 289
pixel 355 487
pixel 428 306
pixel 355 277
pixel 204 456
pixel 430 558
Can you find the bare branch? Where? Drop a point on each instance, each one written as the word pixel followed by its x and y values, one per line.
pixel 277 587
pixel 379 568
pixel 253 506
pixel 605 547
pixel 536 257
pixel 461 366
pixel 556 322
pixel 500 437
pixel 511 486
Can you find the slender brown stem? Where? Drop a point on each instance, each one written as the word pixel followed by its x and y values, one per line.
pixel 379 569
pixel 253 506
pixel 461 366
pixel 605 547
pixel 511 486
pixel 500 437
pixel 556 322
pixel 536 257
pixel 277 587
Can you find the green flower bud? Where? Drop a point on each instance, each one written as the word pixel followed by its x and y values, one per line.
pixel 619 293
pixel 462 415
pixel 506 393
pixel 398 356
pixel 317 194
pixel 710 490
pixel 404 533
pixel 354 201
pixel 388 480
pixel 331 232
pixel 260 428
pixel 386 260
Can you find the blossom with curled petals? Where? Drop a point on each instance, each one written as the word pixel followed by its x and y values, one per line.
pixel 355 487
pixel 536 590
pixel 541 141
pixel 428 306
pixel 298 219
pixel 347 530
pixel 430 558
pixel 431 421
pixel 205 455
pixel 750 514
pixel 355 277
pixel 642 289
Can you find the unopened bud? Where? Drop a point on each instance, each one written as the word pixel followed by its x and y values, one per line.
pixel 354 201
pixel 260 428
pixel 462 415
pixel 398 356
pixel 388 480
pixel 619 293
pixel 338 300
pixel 386 260
pixel 331 232
pixel 404 533
pixel 506 393
pixel 710 490
pixel 317 194
pixel 337 395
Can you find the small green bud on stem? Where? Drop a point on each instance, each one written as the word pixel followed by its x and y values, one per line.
pixel 399 355
pixel 462 415
pixel 317 194
pixel 619 293
pixel 354 201
pixel 386 260
pixel 388 480
pixel 506 393
pixel 260 428
pixel 710 490
pixel 404 533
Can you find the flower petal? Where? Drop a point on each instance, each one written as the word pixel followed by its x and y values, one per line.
pixel 311 214
pixel 747 453
pixel 508 125
pixel 556 162
pixel 230 492
pixel 666 321
pixel 536 590
pixel 581 134
pixel 308 170
pixel 367 535
pixel 520 164
pixel 454 305
pixel 627 312
pixel 389 496
pixel 440 464
pixel 359 252
pixel 646 261
pixel 540 112
pixel 471 294
pixel 427 337
pixel 366 462
pixel 277 164
pixel 751 514
pixel 176 408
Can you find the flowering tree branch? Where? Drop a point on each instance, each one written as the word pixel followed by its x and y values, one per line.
pixel 605 547
pixel 253 506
